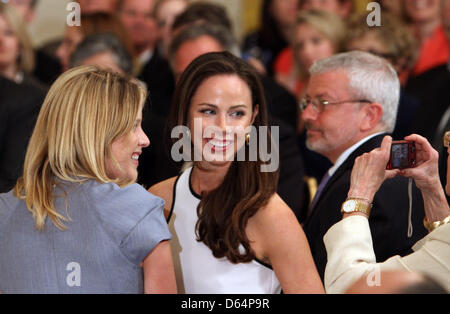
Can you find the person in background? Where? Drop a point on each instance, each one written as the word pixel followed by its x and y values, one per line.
pixel 165 13
pixel 196 39
pixel 202 12
pixel 47 67
pixel 105 51
pixel 350 256
pixel 19 107
pixel 275 33
pixel 228 222
pixel 21 95
pixel 25 8
pixel 16 49
pixel 93 23
pixel 391 7
pixel 318 34
pixel 285 61
pixel 89 228
pixel 395 43
pixel 138 17
pixel 431 88
pixel 342 8
pixel 425 21
pixel 350 102
pixel 95 6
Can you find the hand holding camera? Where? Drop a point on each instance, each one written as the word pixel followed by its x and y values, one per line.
pixel 369 171
pixel 425 171
pixel 413 158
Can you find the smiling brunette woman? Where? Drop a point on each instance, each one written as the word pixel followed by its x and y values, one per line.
pixel 232 232
pixel 75 222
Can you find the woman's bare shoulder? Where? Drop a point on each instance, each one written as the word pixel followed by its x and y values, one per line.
pixel 164 189
pixel 275 207
pixel 276 218
pixel 271 226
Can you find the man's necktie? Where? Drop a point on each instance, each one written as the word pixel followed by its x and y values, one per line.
pixel 320 188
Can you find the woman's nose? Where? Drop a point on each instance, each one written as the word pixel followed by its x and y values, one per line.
pixel 221 121
pixel 144 141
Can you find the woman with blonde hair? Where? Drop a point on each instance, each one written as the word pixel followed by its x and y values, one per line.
pixel 16 49
pixel 75 222
pixel 318 34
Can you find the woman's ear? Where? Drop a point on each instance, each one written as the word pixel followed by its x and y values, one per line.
pixel 372 114
pixel 255 113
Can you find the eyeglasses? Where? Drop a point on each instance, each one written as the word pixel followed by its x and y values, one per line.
pixel 447 139
pixel 319 105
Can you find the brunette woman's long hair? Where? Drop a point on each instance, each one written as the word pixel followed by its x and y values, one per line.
pixel 223 213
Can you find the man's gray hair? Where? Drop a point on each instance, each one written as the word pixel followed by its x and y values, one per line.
pixel 222 35
pixel 371 78
pixel 101 43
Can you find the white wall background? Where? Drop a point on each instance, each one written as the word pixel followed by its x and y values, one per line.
pixel 51 16
pixel 50 21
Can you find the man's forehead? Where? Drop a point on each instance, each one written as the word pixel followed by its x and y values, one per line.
pixel 329 83
pixel 193 48
pixel 141 5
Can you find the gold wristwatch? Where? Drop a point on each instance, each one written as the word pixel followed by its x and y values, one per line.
pixel 352 205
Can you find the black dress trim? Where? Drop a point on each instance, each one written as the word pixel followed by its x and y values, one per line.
pixel 263 264
pixel 191 189
pixel 173 198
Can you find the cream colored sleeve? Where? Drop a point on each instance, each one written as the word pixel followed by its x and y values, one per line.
pixel 350 255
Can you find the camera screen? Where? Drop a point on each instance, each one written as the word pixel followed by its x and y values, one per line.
pixel 400 155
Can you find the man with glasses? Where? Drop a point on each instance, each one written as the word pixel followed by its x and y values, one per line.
pixel 350 103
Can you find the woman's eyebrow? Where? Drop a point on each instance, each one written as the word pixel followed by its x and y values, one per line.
pixel 216 107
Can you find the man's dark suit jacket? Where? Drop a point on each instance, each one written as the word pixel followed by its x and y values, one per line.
pixel 19 108
pixel 388 218
pixel 157 74
pixel 432 89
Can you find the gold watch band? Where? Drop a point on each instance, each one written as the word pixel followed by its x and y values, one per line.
pixel 435 224
pixel 354 204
